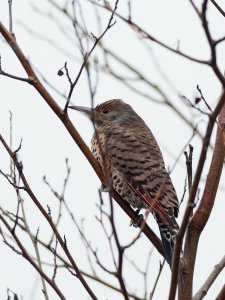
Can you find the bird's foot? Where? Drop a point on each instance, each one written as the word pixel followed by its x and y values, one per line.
pixel 140 219
pixel 105 189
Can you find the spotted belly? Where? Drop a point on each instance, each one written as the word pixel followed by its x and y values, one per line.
pixel 127 193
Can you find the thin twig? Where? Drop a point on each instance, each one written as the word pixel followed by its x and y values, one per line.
pixel 96 278
pixel 161 265
pixel 189 165
pixel 193 105
pixel 34 242
pixel 203 98
pixel 10 16
pixel 55 261
pixel 191 200
pixel 120 60
pixel 15 77
pixel 210 280
pixel 27 257
pixel 218 7
pixel 74 134
pixel 195 8
pixel 97 40
pixel 212 44
pixel 48 219
pixel 149 36
pixel 120 250
pixel 203 212
pixel 12 183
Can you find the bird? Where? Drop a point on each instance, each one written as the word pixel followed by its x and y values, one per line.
pixel 132 162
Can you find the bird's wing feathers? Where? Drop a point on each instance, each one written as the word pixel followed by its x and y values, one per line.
pixel 137 158
pixel 153 203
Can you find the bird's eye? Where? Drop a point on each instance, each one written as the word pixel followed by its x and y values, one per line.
pixel 105 110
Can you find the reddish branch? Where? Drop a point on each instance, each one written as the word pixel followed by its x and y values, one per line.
pixel 200 217
pixel 221 295
pixel 203 212
pixel 10 39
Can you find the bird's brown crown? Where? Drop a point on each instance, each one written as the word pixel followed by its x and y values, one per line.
pixel 114 111
pixel 115 104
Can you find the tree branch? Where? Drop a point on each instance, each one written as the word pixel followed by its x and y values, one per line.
pixel 210 186
pixel 149 36
pixel 218 7
pixel 74 133
pixel 86 57
pixel 210 280
pixel 48 219
pixel 221 295
pixel 204 209
pixel 27 257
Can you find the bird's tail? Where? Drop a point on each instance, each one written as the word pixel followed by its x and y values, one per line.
pixel 168 236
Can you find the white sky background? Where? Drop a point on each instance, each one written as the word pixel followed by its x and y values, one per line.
pixel 46 143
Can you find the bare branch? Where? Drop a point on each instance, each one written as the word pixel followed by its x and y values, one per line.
pixel 27 257
pixel 64 262
pixel 195 8
pixel 191 200
pixel 73 132
pixel 203 98
pixel 49 220
pixel 221 295
pixel 218 7
pixel 204 209
pixel 137 73
pixel 55 261
pixel 161 265
pixel 189 165
pixel 97 40
pixel 34 242
pixel 149 36
pixel 12 183
pixel 120 249
pixel 10 16
pixel 212 43
pixel 210 280
pixel 12 76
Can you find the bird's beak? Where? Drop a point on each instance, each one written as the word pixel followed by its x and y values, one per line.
pixel 89 112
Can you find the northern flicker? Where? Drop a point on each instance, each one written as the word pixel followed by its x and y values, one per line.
pixel 130 157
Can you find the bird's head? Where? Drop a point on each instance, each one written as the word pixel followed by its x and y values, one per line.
pixel 112 111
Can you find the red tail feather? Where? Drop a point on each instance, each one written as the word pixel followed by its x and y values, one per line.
pixel 153 204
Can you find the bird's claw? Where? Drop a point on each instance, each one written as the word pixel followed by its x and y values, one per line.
pixel 105 189
pixel 137 224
